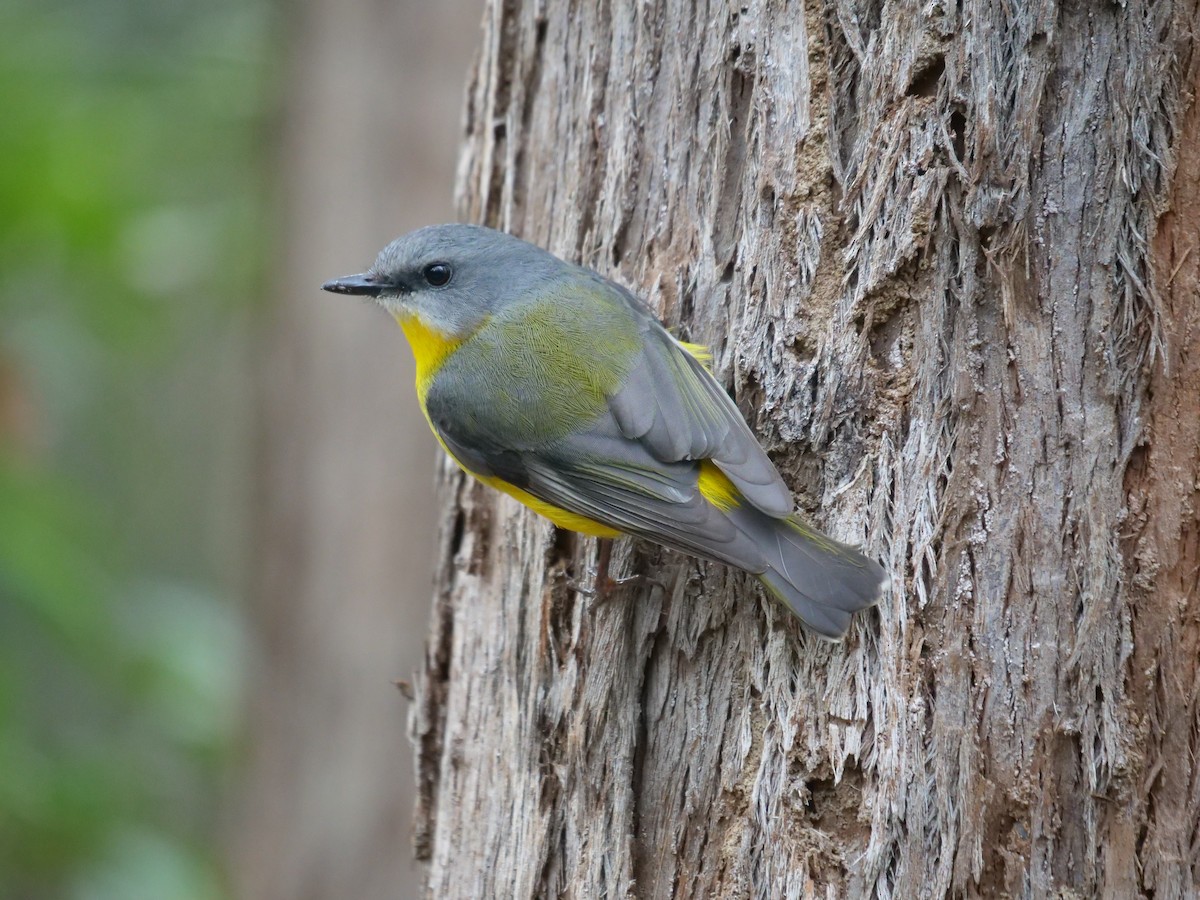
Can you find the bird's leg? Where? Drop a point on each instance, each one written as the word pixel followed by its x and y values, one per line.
pixel 603 558
pixel 603 584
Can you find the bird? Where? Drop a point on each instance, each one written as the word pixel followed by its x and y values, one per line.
pixel 560 387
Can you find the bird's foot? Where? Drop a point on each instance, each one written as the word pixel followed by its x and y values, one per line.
pixel 602 588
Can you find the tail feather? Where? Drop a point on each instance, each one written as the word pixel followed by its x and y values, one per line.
pixel 824 582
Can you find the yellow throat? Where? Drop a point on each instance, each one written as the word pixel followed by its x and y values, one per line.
pixel 430 349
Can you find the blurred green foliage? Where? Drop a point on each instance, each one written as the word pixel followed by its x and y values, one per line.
pixel 133 141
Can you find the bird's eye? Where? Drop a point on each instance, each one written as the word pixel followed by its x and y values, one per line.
pixel 438 273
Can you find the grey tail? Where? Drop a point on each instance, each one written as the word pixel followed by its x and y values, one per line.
pixel 822 581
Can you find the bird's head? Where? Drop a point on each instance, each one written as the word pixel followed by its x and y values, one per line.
pixel 452 277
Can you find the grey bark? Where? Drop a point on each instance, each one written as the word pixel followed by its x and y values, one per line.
pixel 946 257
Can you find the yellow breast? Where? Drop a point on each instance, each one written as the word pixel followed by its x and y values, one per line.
pixel 430 349
pixel 563 518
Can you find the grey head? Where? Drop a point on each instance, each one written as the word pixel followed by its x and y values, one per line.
pixel 453 276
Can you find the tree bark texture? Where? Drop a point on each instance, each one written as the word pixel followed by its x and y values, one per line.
pixel 946 255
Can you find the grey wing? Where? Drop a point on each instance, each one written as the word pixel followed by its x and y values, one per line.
pixel 603 475
pixel 668 410
pixel 674 406
pixel 619 482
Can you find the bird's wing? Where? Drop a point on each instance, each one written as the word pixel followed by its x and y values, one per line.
pixel 627 380
pixel 671 404
pixel 604 476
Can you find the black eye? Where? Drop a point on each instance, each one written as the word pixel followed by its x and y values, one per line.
pixel 438 274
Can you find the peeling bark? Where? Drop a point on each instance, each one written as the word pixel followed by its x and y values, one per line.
pixel 946 257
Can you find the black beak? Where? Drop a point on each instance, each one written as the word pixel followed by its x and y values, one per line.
pixel 367 285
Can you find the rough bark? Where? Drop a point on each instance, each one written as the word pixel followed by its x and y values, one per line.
pixel 946 256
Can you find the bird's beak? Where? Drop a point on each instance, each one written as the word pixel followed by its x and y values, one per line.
pixel 367 285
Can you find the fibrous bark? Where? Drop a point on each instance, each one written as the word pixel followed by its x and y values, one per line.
pixel 946 258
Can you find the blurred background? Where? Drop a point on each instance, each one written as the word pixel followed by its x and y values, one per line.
pixel 216 528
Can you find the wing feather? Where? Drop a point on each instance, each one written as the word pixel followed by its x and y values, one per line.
pixel 604 476
pixel 666 409
pixel 604 492
pixel 633 413
pixel 674 406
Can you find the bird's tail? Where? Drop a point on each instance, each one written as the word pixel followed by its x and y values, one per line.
pixel 824 582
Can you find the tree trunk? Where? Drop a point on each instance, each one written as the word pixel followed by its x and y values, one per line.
pixel 946 257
